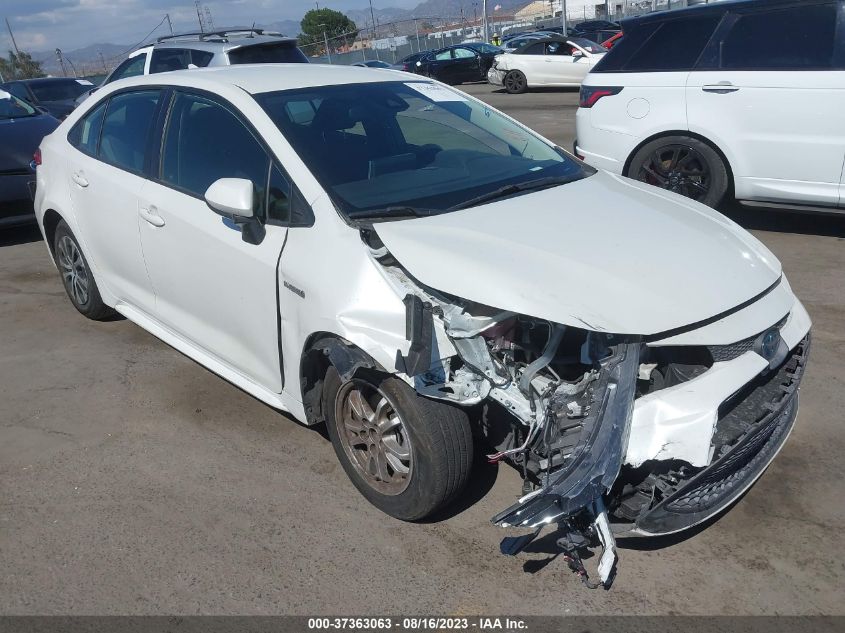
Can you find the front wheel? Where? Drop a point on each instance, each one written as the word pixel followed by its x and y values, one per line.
pixel 408 455
pixel 682 164
pixel 515 82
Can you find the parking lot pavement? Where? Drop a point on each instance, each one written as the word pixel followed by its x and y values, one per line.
pixel 132 480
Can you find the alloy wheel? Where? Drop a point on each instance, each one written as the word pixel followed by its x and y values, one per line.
pixel 677 168
pixel 514 82
pixel 73 269
pixel 374 437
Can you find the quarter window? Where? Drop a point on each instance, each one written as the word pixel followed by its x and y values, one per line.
pixel 86 132
pixel 278 197
pixel 795 38
pixel 203 142
pixel 126 129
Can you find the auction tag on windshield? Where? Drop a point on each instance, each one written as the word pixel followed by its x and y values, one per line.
pixel 435 92
pixel 84 82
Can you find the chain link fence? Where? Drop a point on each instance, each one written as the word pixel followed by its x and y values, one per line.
pixel 392 42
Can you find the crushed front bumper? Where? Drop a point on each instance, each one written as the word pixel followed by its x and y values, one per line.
pixel 752 428
pixel 496 76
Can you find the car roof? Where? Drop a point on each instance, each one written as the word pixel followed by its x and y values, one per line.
pixel 260 78
pixel 714 8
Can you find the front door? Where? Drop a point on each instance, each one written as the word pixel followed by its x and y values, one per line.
pixel 211 286
pixel 105 181
pixel 467 64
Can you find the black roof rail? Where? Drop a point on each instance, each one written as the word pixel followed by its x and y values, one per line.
pixel 215 33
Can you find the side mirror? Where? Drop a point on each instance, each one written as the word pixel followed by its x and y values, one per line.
pixel 577 54
pixel 233 199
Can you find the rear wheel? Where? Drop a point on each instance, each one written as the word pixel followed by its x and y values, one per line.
pixel 515 82
pixel 682 164
pixel 77 277
pixel 409 456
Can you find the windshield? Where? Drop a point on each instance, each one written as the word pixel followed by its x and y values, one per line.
pixel 13 108
pixel 588 45
pixel 276 53
pixel 60 89
pixel 383 148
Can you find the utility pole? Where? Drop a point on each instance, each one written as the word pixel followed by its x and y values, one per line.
pixel 373 18
pixel 100 53
pixel 199 15
pixel 484 26
pixel 61 62
pixel 15 46
pixel 326 40
pixel 563 16
pixel 417 29
pixel 167 15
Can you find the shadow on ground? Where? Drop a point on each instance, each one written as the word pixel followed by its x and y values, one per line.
pixel 784 221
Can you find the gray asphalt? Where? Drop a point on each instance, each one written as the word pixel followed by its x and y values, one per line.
pixel 133 481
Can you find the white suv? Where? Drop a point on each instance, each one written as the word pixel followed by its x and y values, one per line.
pixel 742 97
pixel 391 257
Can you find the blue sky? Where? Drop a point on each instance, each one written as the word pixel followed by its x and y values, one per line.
pixel 69 24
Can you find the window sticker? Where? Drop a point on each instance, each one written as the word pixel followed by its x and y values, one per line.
pixel 435 92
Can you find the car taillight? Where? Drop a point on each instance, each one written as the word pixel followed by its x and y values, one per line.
pixel 36 157
pixel 591 94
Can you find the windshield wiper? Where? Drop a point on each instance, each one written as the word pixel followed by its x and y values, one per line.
pixel 393 212
pixel 514 188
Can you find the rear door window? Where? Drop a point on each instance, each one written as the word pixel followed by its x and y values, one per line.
pixel 274 53
pixel 167 59
pixel 126 129
pixel 129 68
pixel 674 46
pixel 86 133
pixel 797 38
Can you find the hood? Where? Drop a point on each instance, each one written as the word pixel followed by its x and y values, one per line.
pixel 604 253
pixel 19 138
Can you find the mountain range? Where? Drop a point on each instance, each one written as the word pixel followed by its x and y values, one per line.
pixel 87 60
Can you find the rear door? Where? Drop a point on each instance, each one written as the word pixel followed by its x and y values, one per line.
pixel 107 171
pixel 769 94
pixel 211 286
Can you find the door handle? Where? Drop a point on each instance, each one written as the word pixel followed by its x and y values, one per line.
pixel 79 179
pixel 150 214
pixel 721 88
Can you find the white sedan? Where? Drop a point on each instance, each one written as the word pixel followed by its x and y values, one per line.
pixel 552 62
pixel 399 261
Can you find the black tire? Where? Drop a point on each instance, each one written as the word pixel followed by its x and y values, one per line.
pixel 682 164
pixel 515 82
pixel 76 275
pixel 439 443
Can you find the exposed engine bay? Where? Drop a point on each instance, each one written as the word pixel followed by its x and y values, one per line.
pixel 557 403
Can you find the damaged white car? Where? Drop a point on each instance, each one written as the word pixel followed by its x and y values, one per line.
pixel 423 274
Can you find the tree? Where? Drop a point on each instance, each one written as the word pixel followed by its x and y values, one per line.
pixel 334 23
pixel 20 66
